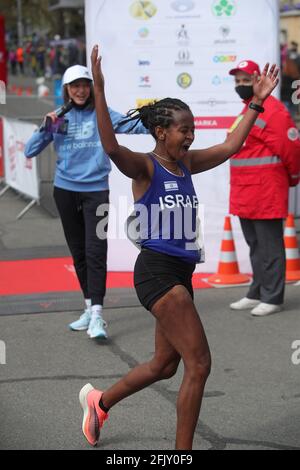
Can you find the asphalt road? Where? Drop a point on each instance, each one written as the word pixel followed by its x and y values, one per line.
pixel 251 399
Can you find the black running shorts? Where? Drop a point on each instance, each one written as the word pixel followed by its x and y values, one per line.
pixel 156 273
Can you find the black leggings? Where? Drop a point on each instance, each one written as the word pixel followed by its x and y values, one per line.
pixel 77 211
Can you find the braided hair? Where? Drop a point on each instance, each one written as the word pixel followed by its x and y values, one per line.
pixel 158 113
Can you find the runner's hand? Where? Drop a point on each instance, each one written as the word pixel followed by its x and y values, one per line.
pixel 265 84
pixel 96 69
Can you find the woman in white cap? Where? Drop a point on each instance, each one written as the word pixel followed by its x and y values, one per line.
pixel 81 186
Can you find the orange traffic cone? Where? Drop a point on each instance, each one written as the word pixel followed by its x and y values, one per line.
pixel 228 269
pixel 19 91
pixel 291 250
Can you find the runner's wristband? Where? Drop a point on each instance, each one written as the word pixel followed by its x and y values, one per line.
pixel 256 107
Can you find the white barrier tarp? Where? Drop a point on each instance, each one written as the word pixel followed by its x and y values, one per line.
pixel 182 49
pixel 20 172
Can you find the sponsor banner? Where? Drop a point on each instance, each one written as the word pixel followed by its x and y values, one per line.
pixel 178 47
pixel 215 122
pixel 20 172
pixel 182 49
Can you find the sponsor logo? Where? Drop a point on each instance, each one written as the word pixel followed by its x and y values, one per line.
pixel 183 6
pixel 218 80
pixel 184 80
pixel 216 122
pixel 182 33
pixel 222 8
pixel 183 58
pixel 184 55
pixel 171 186
pixel 143 32
pixel 205 123
pixel 224 58
pixel 224 32
pixel 144 63
pixel 145 82
pixel 293 134
pixel 142 10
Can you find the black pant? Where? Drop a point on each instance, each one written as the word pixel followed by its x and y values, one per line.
pixel 267 255
pixel 77 211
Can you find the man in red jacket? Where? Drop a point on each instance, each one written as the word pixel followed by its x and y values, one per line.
pixel 260 177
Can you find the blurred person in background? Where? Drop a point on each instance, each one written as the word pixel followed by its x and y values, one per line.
pixel 20 59
pixel 12 57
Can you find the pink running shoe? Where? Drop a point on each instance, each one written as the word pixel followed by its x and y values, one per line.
pixel 93 416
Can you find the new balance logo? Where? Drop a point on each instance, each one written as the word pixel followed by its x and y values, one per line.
pixel 83 131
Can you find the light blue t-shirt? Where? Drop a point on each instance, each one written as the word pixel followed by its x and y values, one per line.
pixel 82 164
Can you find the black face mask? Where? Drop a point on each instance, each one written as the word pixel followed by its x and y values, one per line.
pixel 245 91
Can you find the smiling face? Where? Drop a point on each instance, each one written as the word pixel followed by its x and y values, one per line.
pixel 79 91
pixel 175 140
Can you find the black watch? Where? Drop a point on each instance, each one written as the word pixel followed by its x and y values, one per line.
pixel 256 107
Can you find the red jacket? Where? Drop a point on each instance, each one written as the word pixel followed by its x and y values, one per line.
pixel 267 164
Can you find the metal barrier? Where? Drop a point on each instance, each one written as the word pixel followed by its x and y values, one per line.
pixel 46 162
pixel 46 169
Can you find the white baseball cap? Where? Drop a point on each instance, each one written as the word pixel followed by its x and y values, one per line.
pixel 75 73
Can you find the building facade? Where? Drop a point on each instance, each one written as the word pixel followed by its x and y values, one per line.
pixel 290 21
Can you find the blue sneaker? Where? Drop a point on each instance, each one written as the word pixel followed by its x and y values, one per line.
pixel 97 328
pixel 83 322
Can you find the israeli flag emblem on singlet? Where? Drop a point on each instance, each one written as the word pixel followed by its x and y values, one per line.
pixel 171 186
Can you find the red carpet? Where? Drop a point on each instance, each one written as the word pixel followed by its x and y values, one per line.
pixel 57 275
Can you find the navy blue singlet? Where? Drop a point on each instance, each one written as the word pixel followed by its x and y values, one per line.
pixel 167 215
